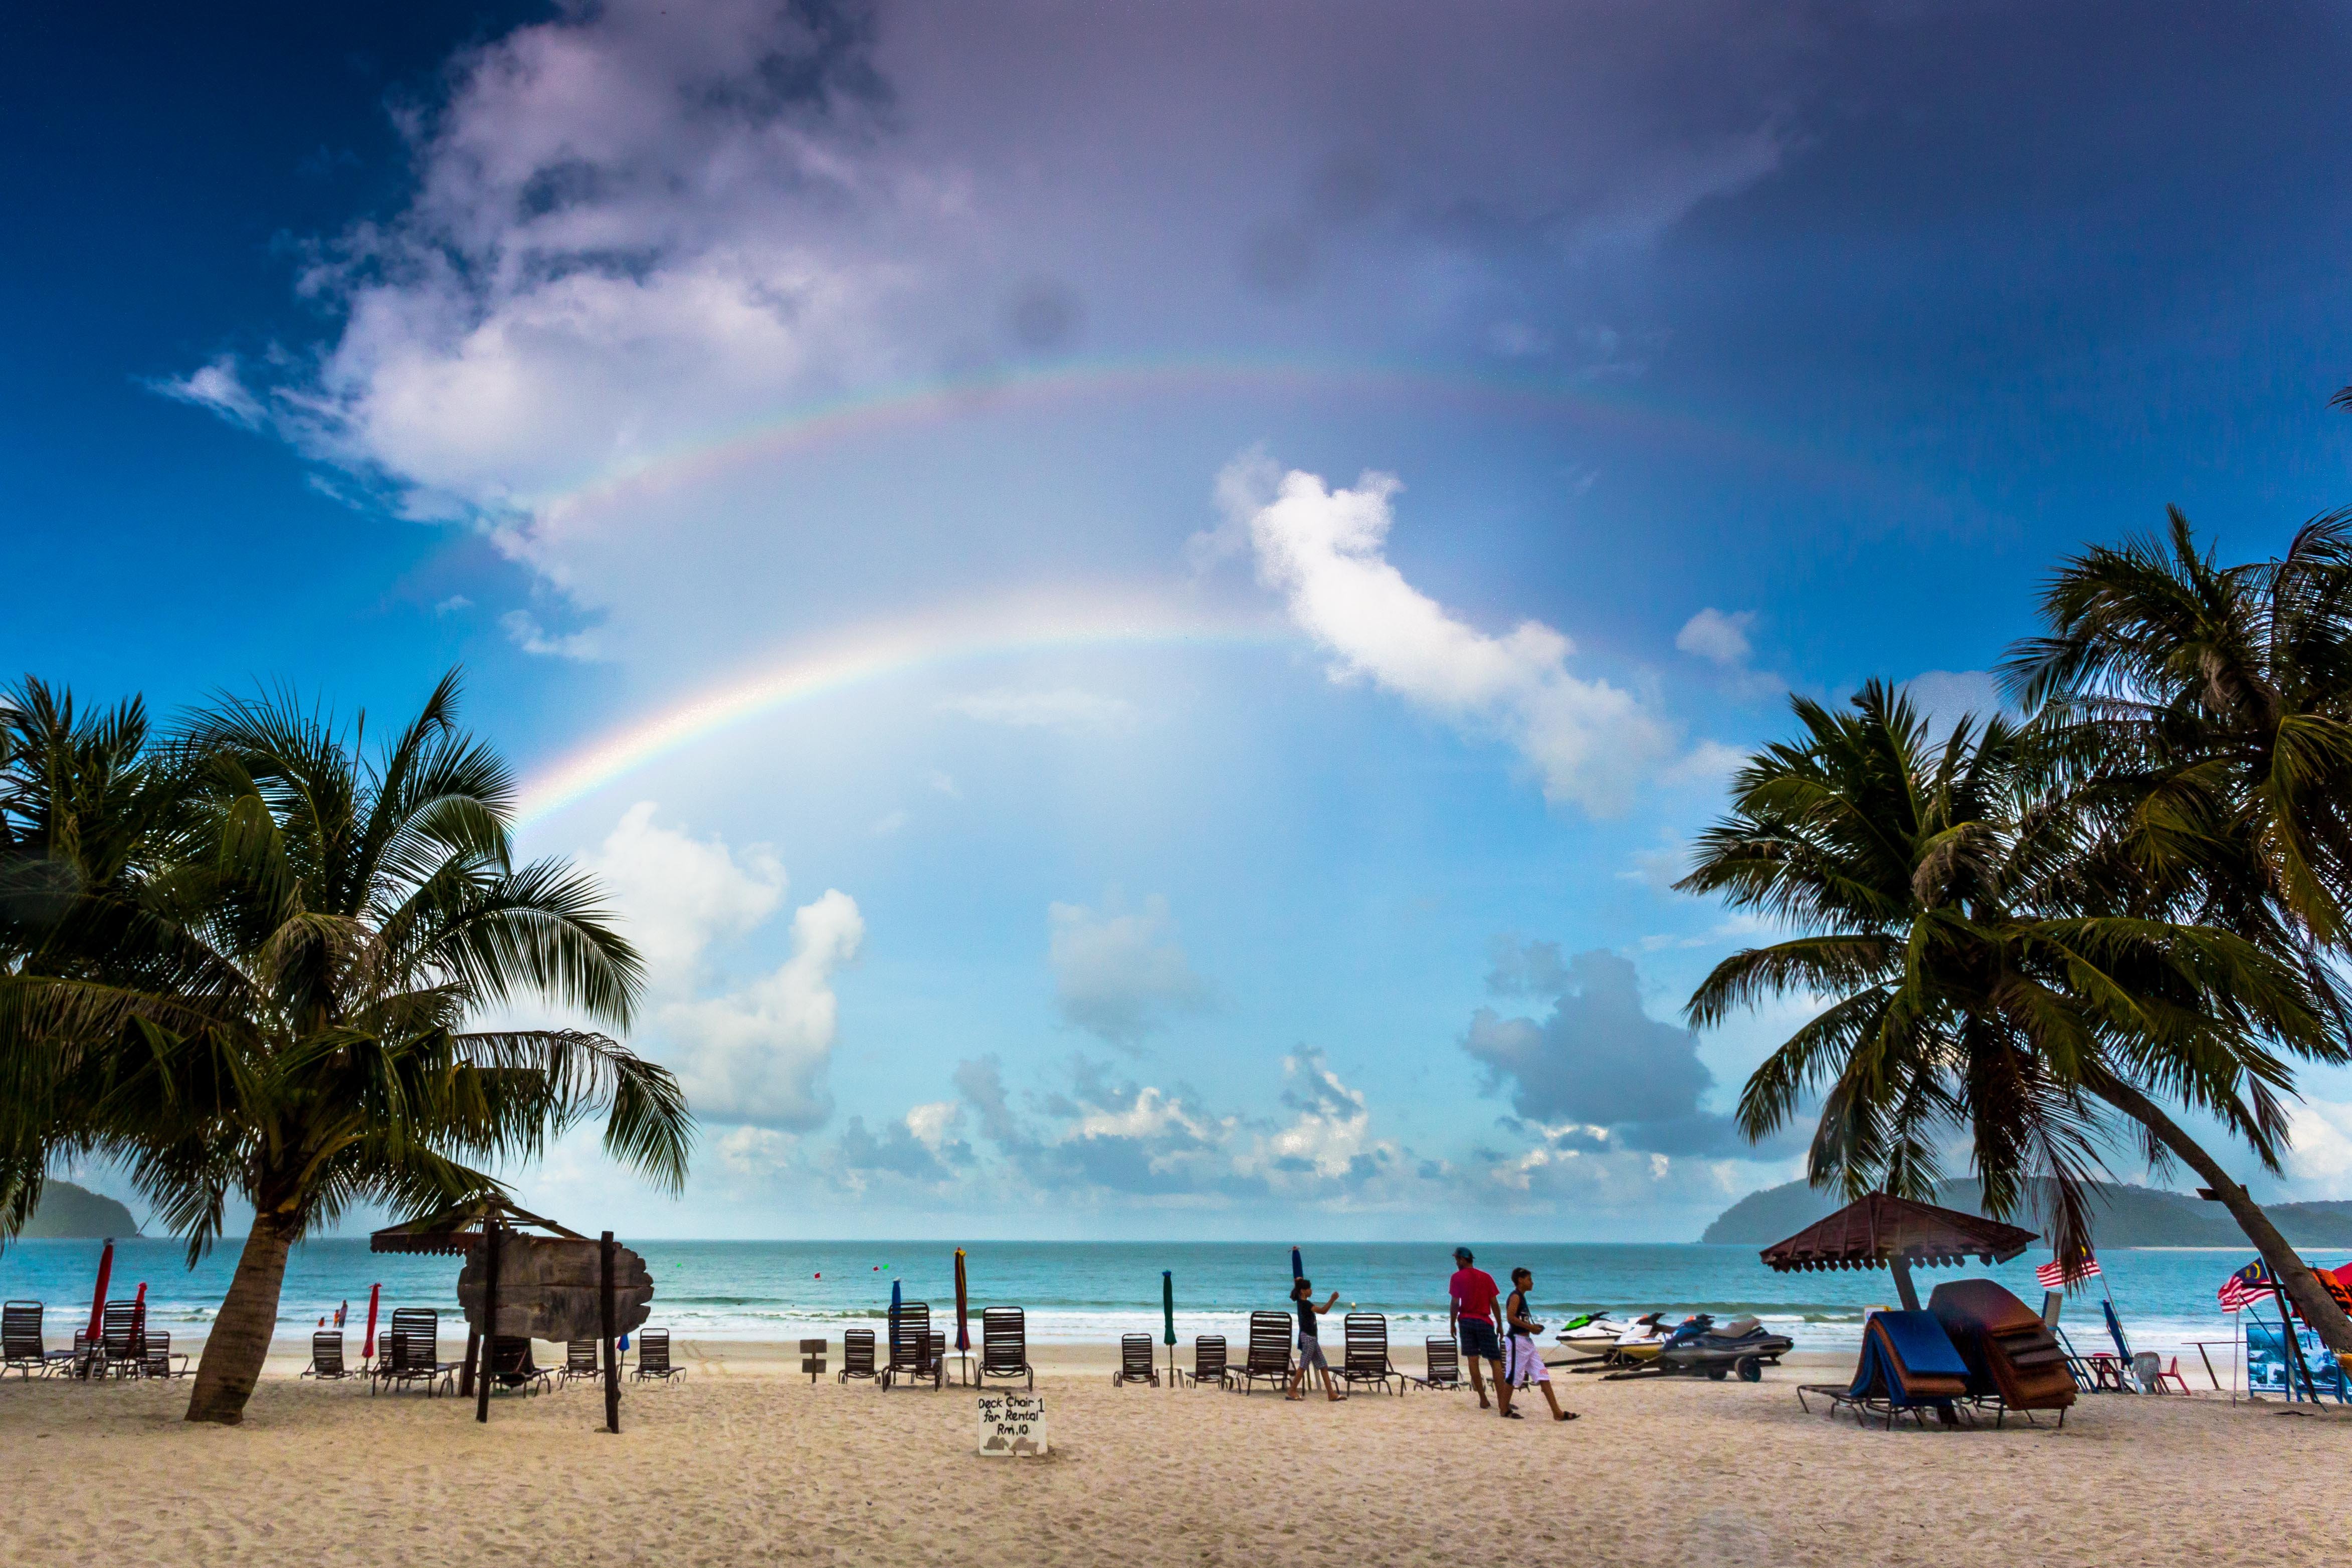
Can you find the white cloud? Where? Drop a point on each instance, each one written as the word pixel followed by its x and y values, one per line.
pixel 522 629
pixel 756 1052
pixel 2320 1156
pixel 1120 974
pixel 1706 765
pixel 1062 708
pixel 1717 637
pixel 453 605
pixel 219 388
pixel 1322 548
pixel 888 823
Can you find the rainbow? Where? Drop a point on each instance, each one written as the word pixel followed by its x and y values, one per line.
pixel 877 651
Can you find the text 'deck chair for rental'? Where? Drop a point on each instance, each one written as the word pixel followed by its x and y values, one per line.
pixel 1909 1365
pixel 1365 1356
pixel 1269 1352
pixel 1004 1346
pixel 1135 1362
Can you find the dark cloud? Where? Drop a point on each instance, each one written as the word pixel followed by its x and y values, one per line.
pixel 898 1151
pixel 1597 1060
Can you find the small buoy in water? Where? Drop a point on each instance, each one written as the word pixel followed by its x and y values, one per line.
pixel 817 1276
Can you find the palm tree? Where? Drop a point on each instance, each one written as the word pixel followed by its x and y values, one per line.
pixel 1981 980
pixel 286 1019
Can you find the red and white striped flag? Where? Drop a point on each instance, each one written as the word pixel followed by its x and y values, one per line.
pixel 2056 1274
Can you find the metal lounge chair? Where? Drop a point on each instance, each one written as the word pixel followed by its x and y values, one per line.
pixel 1135 1362
pixel 119 1348
pixel 512 1366
pixel 580 1360
pixel 414 1355
pixel 1269 1352
pixel 156 1357
pixel 653 1358
pixel 1442 1364
pixel 1004 1346
pixel 911 1347
pixel 1909 1366
pixel 22 1350
pixel 327 1356
pixel 857 1355
pixel 1365 1358
pixel 1208 1362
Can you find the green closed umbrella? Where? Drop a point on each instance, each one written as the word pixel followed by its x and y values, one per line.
pixel 1168 1313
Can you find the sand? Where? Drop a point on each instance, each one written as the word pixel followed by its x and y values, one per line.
pixel 745 1462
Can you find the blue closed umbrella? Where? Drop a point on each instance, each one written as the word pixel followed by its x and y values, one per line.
pixel 1297 1268
pixel 894 1319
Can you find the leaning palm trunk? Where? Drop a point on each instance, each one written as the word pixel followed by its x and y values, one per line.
pixel 240 1341
pixel 2310 1298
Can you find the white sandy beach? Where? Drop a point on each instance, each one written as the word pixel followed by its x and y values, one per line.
pixel 747 1462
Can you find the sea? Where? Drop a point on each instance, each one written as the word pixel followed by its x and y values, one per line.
pixel 1094 1292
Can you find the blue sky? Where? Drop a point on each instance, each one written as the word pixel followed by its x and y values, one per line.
pixel 1332 488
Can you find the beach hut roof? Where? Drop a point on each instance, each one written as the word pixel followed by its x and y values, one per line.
pixel 1875 1231
pixel 457 1229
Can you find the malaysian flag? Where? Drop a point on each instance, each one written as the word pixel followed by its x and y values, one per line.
pixel 2249 1284
pixel 2057 1274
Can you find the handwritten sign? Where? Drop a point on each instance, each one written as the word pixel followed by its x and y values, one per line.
pixel 1012 1426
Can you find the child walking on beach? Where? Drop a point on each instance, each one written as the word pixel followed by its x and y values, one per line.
pixel 1523 1362
pixel 1310 1344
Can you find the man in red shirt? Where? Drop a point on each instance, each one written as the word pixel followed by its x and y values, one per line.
pixel 1471 1319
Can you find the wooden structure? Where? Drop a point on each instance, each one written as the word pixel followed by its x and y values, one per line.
pixel 1882 1231
pixel 558 1285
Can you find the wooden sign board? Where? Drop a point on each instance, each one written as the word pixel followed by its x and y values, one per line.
pixel 813 1358
pixel 1012 1426
pixel 548 1288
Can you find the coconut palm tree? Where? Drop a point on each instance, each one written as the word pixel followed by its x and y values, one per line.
pixel 1981 982
pixel 286 1020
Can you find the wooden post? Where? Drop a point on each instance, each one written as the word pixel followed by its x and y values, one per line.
pixel 1903 1290
pixel 612 1358
pixel 489 1318
pixel 473 1356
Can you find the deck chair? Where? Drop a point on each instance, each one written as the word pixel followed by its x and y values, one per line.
pixel 1443 1365
pixel 580 1360
pixel 1366 1356
pixel 1269 1352
pixel 327 1356
pixel 22 1350
pixel 119 1349
pixel 1909 1366
pixel 1208 1361
pixel 935 1357
pixel 2014 1361
pixel 1136 1363
pixel 1004 1345
pixel 653 1358
pixel 513 1366
pixel 414 1355
pixel 857 1354
pixel 911 1347
pixel 156 1358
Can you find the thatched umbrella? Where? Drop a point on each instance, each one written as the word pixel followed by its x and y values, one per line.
pixel 1883 1231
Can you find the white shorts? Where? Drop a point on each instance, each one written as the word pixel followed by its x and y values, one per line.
pixel 1523 1363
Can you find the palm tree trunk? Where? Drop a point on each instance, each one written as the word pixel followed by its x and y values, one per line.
pixel 239 1342
pixel 2310 1298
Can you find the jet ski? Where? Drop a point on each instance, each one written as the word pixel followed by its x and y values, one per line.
pixel 1591 1333
pixel 1643 1338
pixel 1696 1348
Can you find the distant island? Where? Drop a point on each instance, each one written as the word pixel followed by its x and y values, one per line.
pixel 2123 1216
pixel 69 1213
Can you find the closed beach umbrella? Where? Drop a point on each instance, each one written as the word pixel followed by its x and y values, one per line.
pixel 139 1316
pixel 1297 1268
pixel 375 1293
pixel 964 1333
pixel 1168 1316
pixel 97 1296
pixel 894 1318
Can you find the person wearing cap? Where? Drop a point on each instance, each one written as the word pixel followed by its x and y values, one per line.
pixel 1471 1321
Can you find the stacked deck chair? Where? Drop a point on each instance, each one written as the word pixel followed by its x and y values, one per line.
pixel 1004 1346
pixel 327 1355
pixel 1208 1361
pixel 1444 1363
pixel 1366 1359
pixel 1909 1366
pixel 512 1364
pixel 653 1357
pixel 1135 1362
pixel 1269 1352
pixel 21 1348
pixel 2014 1361
pixel 857 1355
pixel 580 1360
pixel 911 1347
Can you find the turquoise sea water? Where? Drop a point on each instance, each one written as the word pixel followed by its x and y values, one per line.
pixel 1095 1291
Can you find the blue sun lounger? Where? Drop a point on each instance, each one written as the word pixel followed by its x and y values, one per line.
pixel 1909 1366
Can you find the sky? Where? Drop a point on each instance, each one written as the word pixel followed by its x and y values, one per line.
pixel 1137 605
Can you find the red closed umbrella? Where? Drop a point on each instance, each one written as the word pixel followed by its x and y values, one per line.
pixel 139 1316
pixel 368 1349
pixel 97 1296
